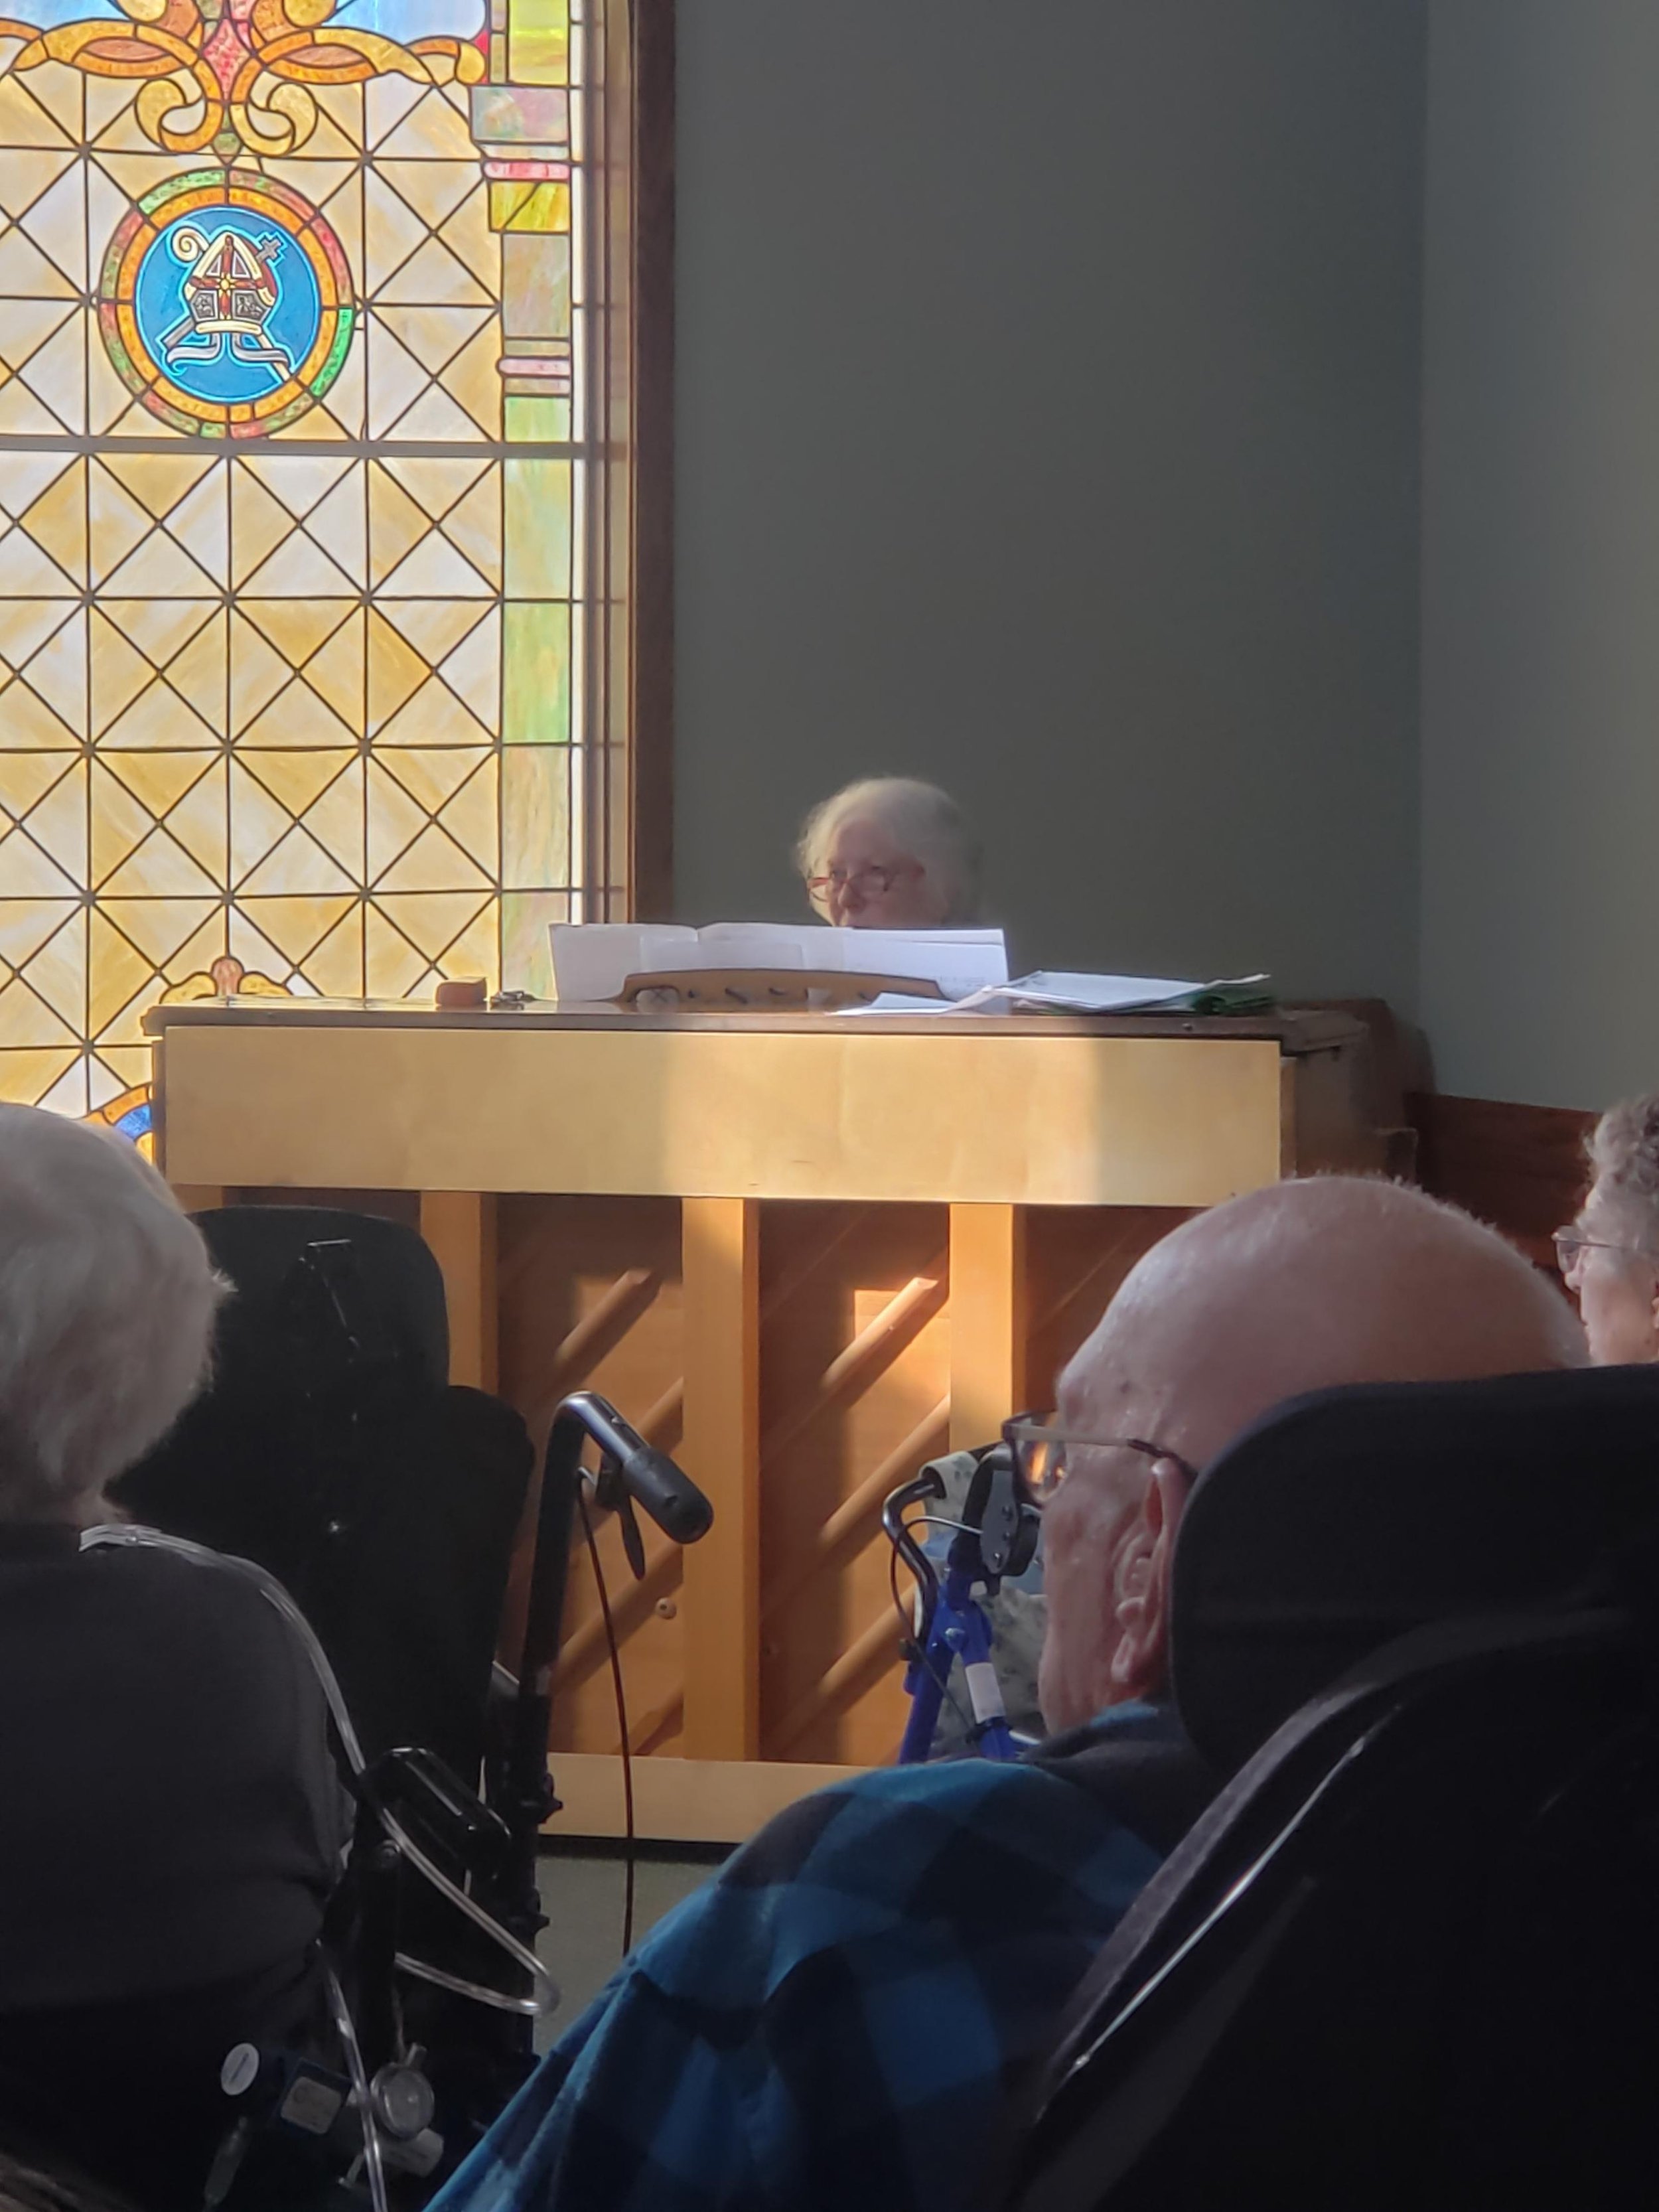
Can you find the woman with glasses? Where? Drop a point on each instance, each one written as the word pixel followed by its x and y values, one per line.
pixel 890 852
pixel 1609 1256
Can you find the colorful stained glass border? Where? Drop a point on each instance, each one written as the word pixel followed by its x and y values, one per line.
pixel 124 339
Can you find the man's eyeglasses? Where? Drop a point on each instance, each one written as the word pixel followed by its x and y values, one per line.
pixel 1569 1243
pixel 878 878
pixel 1042 1456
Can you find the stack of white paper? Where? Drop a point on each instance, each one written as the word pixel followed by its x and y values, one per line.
pixel 1062 990
pixel 1103 994
pixel 592 961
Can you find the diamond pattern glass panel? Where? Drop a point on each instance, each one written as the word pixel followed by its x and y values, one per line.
pixel 291 494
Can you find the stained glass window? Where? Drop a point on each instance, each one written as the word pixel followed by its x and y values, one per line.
pixel 294 470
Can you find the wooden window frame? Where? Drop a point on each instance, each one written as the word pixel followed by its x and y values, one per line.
pixel 630 607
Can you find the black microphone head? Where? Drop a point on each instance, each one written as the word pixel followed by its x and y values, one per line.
pixel 669 1496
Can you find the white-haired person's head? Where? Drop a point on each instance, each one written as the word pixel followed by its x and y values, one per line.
pixel 1297 1287
pixel 107 1297
pixel 1609 1252
pixel 891 853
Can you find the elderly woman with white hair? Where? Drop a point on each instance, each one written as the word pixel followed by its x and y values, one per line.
pixel 170 1833
pixel 891 853
pixel 1609 1254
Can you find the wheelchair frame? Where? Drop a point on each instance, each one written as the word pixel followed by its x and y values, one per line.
pixel 378 2115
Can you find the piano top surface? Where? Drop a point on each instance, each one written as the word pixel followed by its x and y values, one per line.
pixel 1296 1030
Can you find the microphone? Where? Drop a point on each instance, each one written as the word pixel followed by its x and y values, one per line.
pixel 650 1477
pixel 674 1502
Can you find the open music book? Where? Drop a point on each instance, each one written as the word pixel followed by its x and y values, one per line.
pixel 592 961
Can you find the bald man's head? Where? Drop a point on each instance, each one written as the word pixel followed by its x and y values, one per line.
pixel 1297 1287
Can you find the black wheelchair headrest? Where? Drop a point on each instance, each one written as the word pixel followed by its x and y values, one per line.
pixel 1348 1517
pixel 311 1280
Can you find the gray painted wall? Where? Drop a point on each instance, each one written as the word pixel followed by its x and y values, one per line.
pixel 1047 424
pixel 1541 642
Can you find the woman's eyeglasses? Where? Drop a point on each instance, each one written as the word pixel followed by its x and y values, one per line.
pixel 1041 1455
pixel 1569 1244
pixel 878 878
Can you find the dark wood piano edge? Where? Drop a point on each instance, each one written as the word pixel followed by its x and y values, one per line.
pixel 1296 1030
pixel 1520 1168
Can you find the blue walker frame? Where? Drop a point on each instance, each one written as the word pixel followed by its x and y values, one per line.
pixel 953 1625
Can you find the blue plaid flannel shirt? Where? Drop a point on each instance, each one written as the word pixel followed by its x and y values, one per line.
pixel 836 2019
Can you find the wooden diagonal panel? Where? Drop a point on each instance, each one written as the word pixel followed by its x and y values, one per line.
pixel 590 1299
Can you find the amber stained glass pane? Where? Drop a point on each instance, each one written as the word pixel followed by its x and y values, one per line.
pixel 287 521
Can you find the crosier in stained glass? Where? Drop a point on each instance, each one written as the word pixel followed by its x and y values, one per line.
pixel 291 481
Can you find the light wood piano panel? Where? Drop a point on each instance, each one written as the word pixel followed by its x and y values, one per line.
pixel 805 1255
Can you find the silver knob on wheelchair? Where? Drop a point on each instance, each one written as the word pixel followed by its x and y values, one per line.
pixel 401 2100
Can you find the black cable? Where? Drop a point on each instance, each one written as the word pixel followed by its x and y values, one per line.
pixel 621 1719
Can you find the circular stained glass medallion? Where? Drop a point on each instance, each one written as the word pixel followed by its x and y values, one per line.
pixel 226 303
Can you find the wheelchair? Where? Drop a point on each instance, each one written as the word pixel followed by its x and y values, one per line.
pixel 1408 1956
pixel 376 1506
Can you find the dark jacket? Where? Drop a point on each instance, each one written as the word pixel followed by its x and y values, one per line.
pixel 169 1830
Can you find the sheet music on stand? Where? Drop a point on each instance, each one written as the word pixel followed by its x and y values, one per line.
pixel 592 961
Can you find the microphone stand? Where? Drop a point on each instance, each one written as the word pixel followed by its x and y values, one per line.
pixel 630 1470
